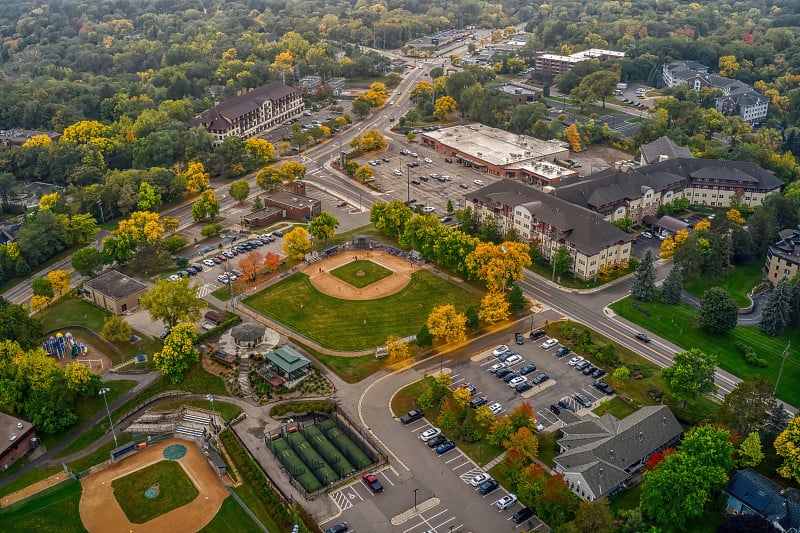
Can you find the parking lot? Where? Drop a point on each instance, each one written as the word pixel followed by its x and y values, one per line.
pixel 419 183
pixel 564 380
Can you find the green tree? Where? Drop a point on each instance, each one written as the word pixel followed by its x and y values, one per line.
pixel 424 337
pixel 269 179
pixel 211 230
pixel 516 299
pixel 42 287
pixel 323 226
pixel 390 217
pixel 173 301
pixel 206 206
pixel 116 330
pixel 473 318
pixel 672 287
pixel 557 504
pixel 449 207
pixel 17 325
pixel 718 311
pixel 691 375
pixel 750 452
pixel 644 282
pixel 746 408
pixel 633 521
pixel 621 374
pixel 178 352
pixel 147 199
pixel 595 516
pixel 562 261
pixel 710 445
pixel 776 314
pixel 361 107
pixel 240 190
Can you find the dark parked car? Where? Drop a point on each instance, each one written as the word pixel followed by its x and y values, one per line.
pixel 437 440
pixel 598 373
pixel 503 356
pixel 589 369
pixel 338 528
pixel 556 410
pixel 603 386
pixel 470 388
pixel 562 351
pixel 642 337
pixel 564 403
pixel 511 375
pixel 372 482
pixel 582 364
pixel 412 416
pixel 583 400
pixel 539 379
pixel 523 515
pixel 477 402
pixel 518 338
pixel 537 334
pixel 522 387
pixel 527 369
pixel 503 372
pixel 445 447
pixel 488 487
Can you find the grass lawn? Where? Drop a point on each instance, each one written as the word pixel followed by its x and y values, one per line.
pixel 626 500
pixel 230 518
pixel 548 449
pixel 356 325
pixel 369 273
pixel 71 311
pixel 676 324
pixel 737 283
pixel 405 399
pixel 176 490
pixel 350 369
pixel 28 478
pixel 53 511
pixel 615 406
pixel 100 454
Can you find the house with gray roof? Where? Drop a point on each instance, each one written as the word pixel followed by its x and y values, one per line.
pixel 114 291
pixel 751 493
pixel 598 455
pixel 661 149
pixel 550 222
pixel 783 257
pixel 251 112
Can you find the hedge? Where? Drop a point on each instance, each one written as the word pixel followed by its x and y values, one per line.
pixel 218 329
pixel 320 406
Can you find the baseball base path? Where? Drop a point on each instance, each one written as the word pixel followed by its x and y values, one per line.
pixel 326 283
pixel 100 512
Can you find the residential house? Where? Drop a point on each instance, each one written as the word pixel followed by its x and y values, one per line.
pixel 8 232
pixel 751 493
pixel 251 113
pixel 550 222
pixel 114 291
pixel 598 455
pixel 783 257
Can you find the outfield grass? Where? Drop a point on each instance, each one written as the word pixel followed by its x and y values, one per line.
pixel 676 324
pixel 350 369
pixel 56 510
pixel 737 283
pixel 371 272
pixel 357 325
pixel 176 490
pixel 230 518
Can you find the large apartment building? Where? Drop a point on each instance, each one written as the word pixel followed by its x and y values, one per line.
pixel 554 64
pixel 251 113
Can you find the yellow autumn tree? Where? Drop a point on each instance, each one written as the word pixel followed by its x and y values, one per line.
pixel 178 352
pixel 37 140
pixel 39 302
pixel 494 307
pixel 296 243
pixel 78 376
pixel 292 170
pixel 680 237
pixel 461 398
pixel 60 280
pixel 497 264
pixel 443 107
pixel 48 201
pixel 196 177
pixel 86 131
pixel 259 149
pixel 447 325
pixel 574 138
pixel 702 225
pixel 735 216
pixel 398 351
pixel 667 248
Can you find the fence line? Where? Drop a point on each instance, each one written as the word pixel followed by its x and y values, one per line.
pixel 247 510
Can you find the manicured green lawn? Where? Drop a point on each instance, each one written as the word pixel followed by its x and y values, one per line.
pixel 737 283
pixel 676 324
pixel 176 490
pixel 230 518
pixel 28 478
pixel 70 311
pixel 369 273
pixel 615 406
pixel 355 325
pixel 53 511
pixel 350 369
pixel 100 454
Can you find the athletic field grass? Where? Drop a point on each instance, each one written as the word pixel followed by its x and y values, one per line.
pixel 56 510
pixel 372 272
pixel 357 325
pixel 176 490
pixel 230 518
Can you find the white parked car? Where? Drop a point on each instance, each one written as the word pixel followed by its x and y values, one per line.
pixel 575 360
pixel 506 501
pixel 516 381
pixel 222 278
pixel 428 160
pixel 478 182
pixel 513 360
pixel 480 479
pixel 495 408
pixel 428 209
pixel 494 368
pixel 500 350
pixel 208 262
pixel 174 277
pixel 428 434
pixel 397 172
pixel 549 343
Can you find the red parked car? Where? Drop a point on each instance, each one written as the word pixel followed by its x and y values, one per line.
pixel 372 482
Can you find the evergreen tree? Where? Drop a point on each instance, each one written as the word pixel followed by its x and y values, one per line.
pixel 673 285
pixel 718 311
pixel 516 300
pixel 644 283
pixel 424 337
pixel 473 319
pixel 776 315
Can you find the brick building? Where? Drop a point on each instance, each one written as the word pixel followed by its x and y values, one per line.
pixel 17 437
pixel 280 204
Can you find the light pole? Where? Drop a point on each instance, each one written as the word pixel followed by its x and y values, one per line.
pixel 210 398
pixel 415 498
pixel 505 251
pixel 103 392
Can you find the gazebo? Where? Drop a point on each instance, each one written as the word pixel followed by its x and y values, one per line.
pixel 286 362
pixel 248 335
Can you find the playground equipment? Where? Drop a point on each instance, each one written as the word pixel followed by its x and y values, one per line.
pixel 60 345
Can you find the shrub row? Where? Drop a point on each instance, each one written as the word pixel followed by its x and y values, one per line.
pixel 235 319
pixel 639 308
pixel 749 354
pixel 320 406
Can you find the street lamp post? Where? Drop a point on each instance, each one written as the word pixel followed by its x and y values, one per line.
pixel 415 498
pixel 103 392
pixel 210 398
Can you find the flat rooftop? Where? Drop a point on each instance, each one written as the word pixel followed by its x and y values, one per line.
pixel 546 170
pixel 495 146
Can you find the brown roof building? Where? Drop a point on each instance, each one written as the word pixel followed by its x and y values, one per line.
pixel 282 204
pixel 251 113
pixel 114 291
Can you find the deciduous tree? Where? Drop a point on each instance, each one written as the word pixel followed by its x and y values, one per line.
pixel 497 265
pixel 750 452
pixel 178 352
pixel 259 149
pixel 269 179
pixel 399 351
pixel 172 301
pixel 42 287
pixel 292 170
pixel 443 107
pixel 746 408
pixel 116 330
pixel 390 217
pixel 556 504
pixel 787 445
pixel 206 206
pixel 39 302
pixel 240 190
pixel 324 226
pixel 250 264
pixel 592 516
pixel 296 243
pixel 446 324
pixel 494 307
pixel 574 138
pixel 80 380
pixel 272 261
pixel 691 375
pixel 60 280
pixel 147 199
pixel 196 177
pixel 718 311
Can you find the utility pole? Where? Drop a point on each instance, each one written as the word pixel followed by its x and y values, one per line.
pixel 783 362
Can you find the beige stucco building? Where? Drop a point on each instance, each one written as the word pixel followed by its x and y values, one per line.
pixel 783 257
pixel 114 291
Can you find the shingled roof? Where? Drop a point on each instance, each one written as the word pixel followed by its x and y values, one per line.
pixel 766 498
pixel 222 116
pixel 115 285
pixel 587 230
pixel 663 148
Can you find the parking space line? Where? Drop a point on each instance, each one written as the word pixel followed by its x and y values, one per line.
pixel 466 463
pixel 453 459
pixel 414 430
pixel 383 472
pixel 356 492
